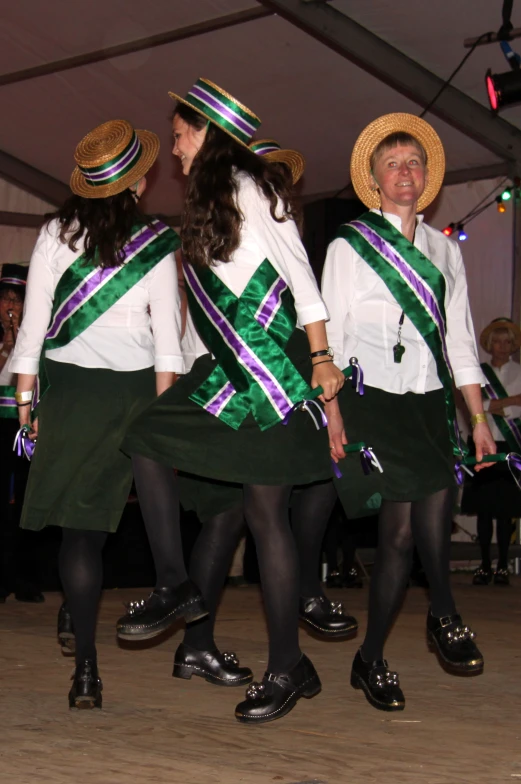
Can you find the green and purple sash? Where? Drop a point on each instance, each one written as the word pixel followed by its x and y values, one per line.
pixel 8 408
pixel 85 291
pixel 419 288
pixel 247 335
pixel 510 429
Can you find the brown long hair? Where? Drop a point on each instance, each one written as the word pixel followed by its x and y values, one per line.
pixel 106 225
pixel 211 227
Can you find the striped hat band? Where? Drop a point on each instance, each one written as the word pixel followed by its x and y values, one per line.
pixel 13 281
pixel 264 147
pixel 116 168
pixel 222 109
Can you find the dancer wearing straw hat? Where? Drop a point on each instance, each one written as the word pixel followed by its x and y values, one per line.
pixel 494 495
pixel 397 296
pixel 230 419
pixel 101 328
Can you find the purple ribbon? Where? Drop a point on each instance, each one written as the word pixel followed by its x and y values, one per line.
pixel 336 470
pixel 369 460
pixel 357 377
pixel 23 446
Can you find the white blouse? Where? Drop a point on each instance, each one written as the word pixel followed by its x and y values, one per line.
pixel 142 329
pixel 261 238
pixel 364 317
pixel 510 376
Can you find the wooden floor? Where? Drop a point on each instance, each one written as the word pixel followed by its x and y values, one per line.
pixel 156 729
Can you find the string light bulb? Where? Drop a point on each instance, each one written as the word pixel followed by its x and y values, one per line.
pixel 448 230
pixel 500 206
pixel 506 195
pixel 462 234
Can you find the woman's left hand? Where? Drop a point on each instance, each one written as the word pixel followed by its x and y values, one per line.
pixel 485 444
pixel 329 377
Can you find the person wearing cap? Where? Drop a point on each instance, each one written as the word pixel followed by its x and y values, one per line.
pixel 101 330
pixel 494 495
pixel 231 419
pixel 397 297
pixel 17 572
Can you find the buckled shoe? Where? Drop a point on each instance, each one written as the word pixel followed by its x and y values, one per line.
pixel 277 695
pixel 482 576
pixel 380 686
pixel 86 687
pixel 454 644
pixel 149 617
pixel 327 618
pixel 222 669
pixel 501 577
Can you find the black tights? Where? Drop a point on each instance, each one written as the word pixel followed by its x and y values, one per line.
pixel 310 513
pixel 401 525
pixel 81 573
pixel 504 534
pixel 267 516
pixel 158 495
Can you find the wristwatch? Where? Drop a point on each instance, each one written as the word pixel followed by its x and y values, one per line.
pixel 326 352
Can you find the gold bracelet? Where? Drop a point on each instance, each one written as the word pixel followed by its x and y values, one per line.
pixel 24 397
pixel 477 419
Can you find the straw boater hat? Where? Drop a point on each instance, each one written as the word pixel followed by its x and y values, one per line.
pixel 222 109
pixel 500 323
pixel 111 158
pixel 14 276
pixel 375 133
pixel 272 151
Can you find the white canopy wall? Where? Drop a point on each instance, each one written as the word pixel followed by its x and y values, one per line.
pixel 16 242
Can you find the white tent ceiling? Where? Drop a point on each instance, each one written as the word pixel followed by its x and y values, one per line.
pixel 308 96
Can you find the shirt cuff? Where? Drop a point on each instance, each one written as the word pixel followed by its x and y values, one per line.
pixel 24 365
pixel 169 364
pixel 311 313
pixel 472 375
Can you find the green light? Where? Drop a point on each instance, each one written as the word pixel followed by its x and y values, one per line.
pixel 506 195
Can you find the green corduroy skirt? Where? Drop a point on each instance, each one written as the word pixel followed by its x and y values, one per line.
pixel 178 432
pixel 409 434
pixel 79 478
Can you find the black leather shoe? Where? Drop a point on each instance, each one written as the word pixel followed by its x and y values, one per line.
pixel 454 644
pixel 86 686
pixel 25 592
pixel 277 695
pixel 482 576
pixel 501 577
pixel 149 617
pixel 327 618
pixel 352 579
pixel 66 636
pixel 222 669
pixel 379 684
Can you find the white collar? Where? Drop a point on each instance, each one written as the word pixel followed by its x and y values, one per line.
pixel 396 220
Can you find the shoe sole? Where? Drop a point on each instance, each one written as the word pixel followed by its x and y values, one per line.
pixel 358 683
pixel 149 634
pixel 85 703
pixel 465 668
pixel 67 642
pixel 341 634
pixel 185 673
pixel 311 691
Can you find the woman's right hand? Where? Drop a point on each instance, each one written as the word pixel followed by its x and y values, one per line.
pixel 336 431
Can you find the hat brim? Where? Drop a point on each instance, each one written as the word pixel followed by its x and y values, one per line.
pixel 376 132
pixel 498 324
pixel 149 152
pixel 176 97
pixel 294 160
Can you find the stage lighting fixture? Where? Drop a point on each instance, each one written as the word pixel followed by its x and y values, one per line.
pixel 448 229
pixel 503 89
pixel 462 235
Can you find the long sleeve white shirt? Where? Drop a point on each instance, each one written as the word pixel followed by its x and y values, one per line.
pixel 364 317
pixel 7 378
pixel 142 329
pixel 510 376
pixel 263 238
